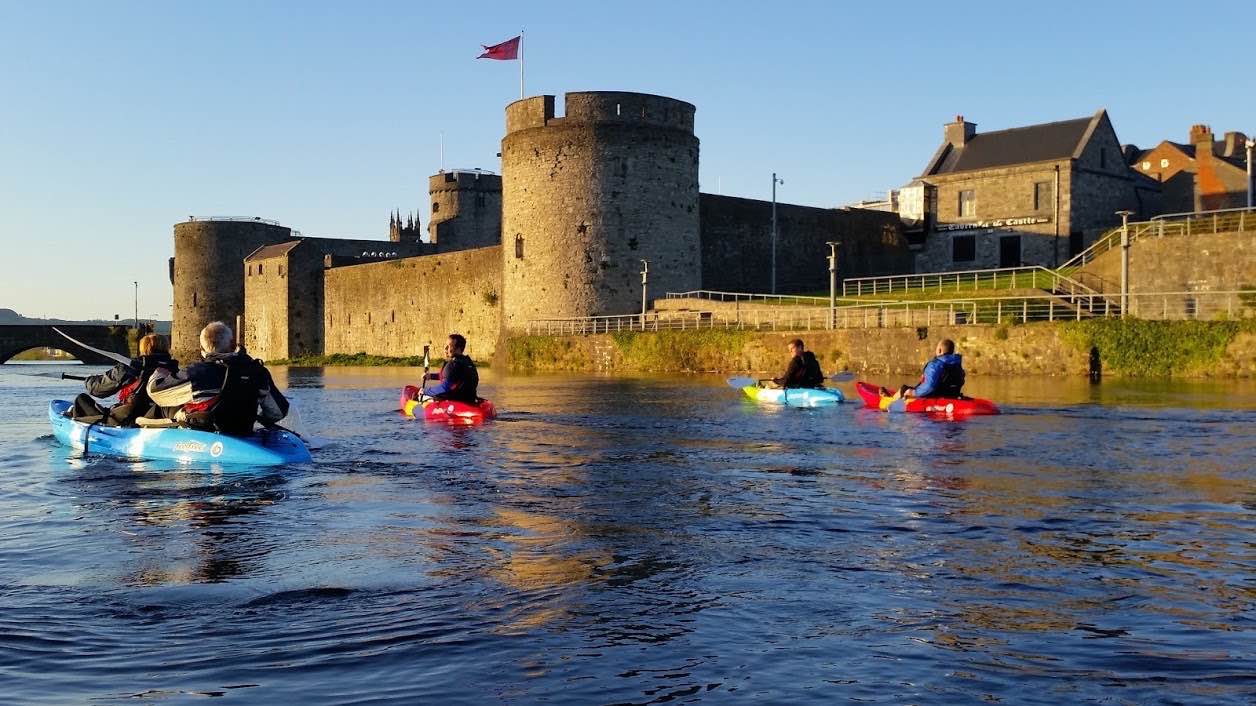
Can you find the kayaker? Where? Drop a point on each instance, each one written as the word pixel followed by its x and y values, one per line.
pixel 226 391
pixel 804 369
pixel 943 375
pixel 458 378
pixel 129 383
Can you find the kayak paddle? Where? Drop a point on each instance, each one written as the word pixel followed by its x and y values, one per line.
pixel 738 383
pixel 67 376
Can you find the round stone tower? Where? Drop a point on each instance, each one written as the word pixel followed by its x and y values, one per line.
pixel 466 210
pixel 209 274
pixel 589 195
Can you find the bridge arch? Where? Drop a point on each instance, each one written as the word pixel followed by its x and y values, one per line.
pixel 20 337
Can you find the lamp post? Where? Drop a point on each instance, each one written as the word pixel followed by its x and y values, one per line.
pixel 1251 144
pixel 1125 260
pixel 775 180
pixel 137 309
pixel 833 282
pixel 645 286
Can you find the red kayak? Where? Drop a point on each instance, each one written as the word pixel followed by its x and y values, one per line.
pixel 447 411
pixel 945 406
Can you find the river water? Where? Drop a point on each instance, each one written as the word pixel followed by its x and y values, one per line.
pixel 615 541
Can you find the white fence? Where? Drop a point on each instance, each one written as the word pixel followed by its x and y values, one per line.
pixel 957 312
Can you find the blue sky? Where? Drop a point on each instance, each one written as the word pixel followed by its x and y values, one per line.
pixel 119 119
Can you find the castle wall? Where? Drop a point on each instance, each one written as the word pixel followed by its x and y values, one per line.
pixel 466 210
pixel 589 195
pixel 266 285
pixel 394 308
pixel 737 245
pixel 208 276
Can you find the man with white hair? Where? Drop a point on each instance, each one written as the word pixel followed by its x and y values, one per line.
pixel 226 391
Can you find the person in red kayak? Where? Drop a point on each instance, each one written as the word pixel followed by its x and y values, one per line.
pixel 458 380
pixel 943 375
pixel 804 369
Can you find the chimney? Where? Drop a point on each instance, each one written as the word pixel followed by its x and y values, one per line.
pixel 958 133
pixel 1201 138
pixel 1235 144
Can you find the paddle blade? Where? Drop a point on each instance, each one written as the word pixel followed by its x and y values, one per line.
pixel 738 383
pixel 844 376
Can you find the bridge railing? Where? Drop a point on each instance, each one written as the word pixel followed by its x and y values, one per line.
pixel 1237 304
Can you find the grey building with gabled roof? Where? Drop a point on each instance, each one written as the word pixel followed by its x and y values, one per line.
pixel 1030 195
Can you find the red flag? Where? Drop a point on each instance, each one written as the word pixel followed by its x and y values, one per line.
pixel 506 51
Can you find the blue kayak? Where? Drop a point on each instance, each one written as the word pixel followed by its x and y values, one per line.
pixel 794 396
pixel 264 447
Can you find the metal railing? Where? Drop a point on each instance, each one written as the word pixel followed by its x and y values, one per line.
pixel 238 219
pixel 1029 277
pixel 737 297
pixel 1226 220
pixel 956 312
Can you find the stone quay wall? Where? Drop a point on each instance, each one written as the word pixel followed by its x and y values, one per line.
pixel 1201 262
pixel 588 195
pixel 394 308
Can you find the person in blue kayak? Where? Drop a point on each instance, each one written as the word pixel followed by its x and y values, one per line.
pixel 943 375
pixel 128 382
pixel 804 369
pixel 458 379
pixel 225 391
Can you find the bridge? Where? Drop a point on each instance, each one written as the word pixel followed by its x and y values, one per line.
pixel 16 338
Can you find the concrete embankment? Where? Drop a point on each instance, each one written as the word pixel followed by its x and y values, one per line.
pixel 1124 348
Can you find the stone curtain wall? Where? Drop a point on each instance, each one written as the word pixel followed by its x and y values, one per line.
pixel 395 308
pixel 209 275
pixel 587 196
pixel 737 245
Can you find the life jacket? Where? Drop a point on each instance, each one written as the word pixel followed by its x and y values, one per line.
pixel 467 379
pixel 812 375
pixel 950 381
pixel 233 410
pixel 133 400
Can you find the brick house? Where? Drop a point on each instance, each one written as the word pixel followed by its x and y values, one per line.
pixel 1202 175
pixel 1025 196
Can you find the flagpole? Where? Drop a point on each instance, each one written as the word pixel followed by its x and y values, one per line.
pixel 520 64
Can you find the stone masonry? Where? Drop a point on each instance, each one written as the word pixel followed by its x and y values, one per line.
pixel 589 195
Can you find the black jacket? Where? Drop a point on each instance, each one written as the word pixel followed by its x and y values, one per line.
pixel 129 382
pixel 803 371
pixel 459 381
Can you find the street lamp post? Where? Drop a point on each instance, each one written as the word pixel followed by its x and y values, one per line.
pixel 1251 144
pixel 1125 260
pixel 775 180
pixel 137 310
pixel 833 282
pixel 645 286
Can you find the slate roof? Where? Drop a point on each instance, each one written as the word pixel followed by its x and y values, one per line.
pixel 272 250
pixel 1020 145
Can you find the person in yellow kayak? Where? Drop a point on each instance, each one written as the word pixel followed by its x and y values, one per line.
pixel 804 369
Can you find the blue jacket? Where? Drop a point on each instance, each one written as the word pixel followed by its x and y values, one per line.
pixel 944 377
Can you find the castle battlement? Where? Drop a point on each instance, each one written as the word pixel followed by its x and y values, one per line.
pixel 610 107
pixel 464 180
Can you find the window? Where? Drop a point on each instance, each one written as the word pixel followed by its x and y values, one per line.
pixel 1042 195
pixel 967 204
pixel 259 268
pixel 1146 166
pixel 1164 163
pixel 435 207
pixel 518 246
pixel 281 270
pixel 193 298
pixel 964 248
pixel 250 270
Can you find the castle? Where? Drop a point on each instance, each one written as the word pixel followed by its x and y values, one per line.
pixel 582 199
